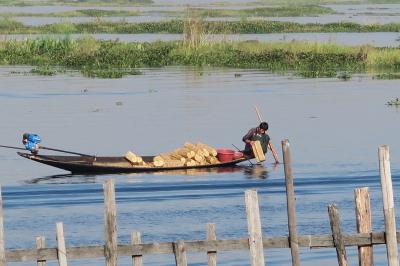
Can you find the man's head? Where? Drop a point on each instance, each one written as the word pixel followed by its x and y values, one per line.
pixel 25 138
pixel 263 127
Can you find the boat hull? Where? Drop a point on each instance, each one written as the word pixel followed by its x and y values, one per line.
pixel 111 165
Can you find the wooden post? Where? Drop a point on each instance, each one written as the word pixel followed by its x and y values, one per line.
pixel 61 250
pixel 180 253
pixel 337 235
pixel 254 228
pixel 40 243
pixel 388 206
pixel 2 244
pixel 110 223
pixel 364 224
pixel 291 205
pixel 211 235
pixel 137 260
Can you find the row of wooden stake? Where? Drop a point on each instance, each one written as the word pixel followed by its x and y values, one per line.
pixel 256 243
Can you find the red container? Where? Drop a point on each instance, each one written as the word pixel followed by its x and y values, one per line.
pixel 237 155
pixel 225 155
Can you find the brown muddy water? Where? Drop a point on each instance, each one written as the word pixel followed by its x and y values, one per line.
pixel 334 127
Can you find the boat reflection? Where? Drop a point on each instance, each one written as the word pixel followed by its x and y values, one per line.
pixel 63 179
pixel 79 179
pixel 258 171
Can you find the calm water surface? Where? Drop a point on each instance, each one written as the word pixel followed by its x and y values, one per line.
pixel 362 14
pixel 335 128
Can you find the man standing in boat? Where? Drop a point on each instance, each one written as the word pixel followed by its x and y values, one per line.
pixel 259 133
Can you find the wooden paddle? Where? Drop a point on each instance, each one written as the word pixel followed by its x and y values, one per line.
pixel 47 148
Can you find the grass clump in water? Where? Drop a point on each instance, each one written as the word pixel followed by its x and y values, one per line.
pixel 394 102
pixel 388 76
pixel 113 59
pixel 108 73
pixel 280 11
pixel 44 71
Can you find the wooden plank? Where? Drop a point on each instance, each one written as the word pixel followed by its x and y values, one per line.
pixel 40 243
pixel 254 228
pixel 110 223
pixel 258 151
pixel 2 243
pixel 180 253
pixel 337 234
pixel 137 260
pixel 291 205
pixel 87 252
pixel 364 224
pixel 211 254
pixel 388 206
pixel 61 250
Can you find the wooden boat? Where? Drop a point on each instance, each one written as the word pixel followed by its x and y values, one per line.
pixel 111 165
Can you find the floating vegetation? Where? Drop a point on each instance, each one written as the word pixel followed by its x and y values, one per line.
pixel 108 73
pixel 388 76
pixel 345 76
pixel 320 2
pixel 44 71
pixel 114 59
pixel 8 26
pixel 77 13
pixel 394 102
pixel 279 11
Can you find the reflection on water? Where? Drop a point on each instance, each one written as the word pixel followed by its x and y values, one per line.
pixel 63 179
pixel 257 171
pixel 82 179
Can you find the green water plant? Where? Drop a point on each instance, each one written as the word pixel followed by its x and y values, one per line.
pixel 44 71
pixel 97 58
pixel 394 102
pixel 387 76
pixel 272 11
pixel 107 73
pixel 100 25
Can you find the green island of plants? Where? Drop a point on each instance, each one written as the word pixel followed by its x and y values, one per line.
pixel 105 58
pixel 10 26
pixel 77 13
pixel 270 11
pixel 394 102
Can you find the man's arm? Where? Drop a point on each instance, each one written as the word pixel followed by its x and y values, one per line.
pixel 247 138
pixel 274 153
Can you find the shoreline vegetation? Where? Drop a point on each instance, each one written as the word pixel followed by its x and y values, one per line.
pixel 114 59
pixel 10 26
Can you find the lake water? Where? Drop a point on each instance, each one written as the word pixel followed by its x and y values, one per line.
pixel 334 127
pixel 362 14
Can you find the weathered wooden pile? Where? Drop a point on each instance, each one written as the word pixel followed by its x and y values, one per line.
pixel 188 155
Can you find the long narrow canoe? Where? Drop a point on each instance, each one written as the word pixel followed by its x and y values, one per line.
pixel 111 165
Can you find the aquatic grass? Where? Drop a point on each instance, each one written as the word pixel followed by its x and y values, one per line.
pixel 177 26
pixel 44 71
pixel 320 2
pixel 106 58
pixel 394 102
pixel 387 76
pixel 78 13
pixel 107 73
pixel 279 11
